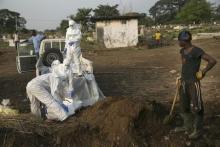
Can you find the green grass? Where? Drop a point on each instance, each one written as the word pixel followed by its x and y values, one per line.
pixel 3 44
pixel 91 45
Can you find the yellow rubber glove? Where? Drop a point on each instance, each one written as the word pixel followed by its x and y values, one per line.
pixel 199 75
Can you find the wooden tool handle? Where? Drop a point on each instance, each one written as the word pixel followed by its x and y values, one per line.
pixel 175 98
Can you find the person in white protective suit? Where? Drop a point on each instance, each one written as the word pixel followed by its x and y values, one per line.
pixel 46 89
pixel 73 37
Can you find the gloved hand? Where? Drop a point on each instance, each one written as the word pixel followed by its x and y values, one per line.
pixel 200 75
pixel 80 74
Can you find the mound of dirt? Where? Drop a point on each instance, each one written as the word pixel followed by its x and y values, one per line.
pixel 112 122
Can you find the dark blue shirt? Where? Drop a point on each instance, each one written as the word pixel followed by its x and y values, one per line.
pixel 191 63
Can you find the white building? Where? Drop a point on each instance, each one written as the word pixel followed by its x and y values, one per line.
pixel 119 31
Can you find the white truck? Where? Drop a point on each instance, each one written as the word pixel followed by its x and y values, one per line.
pixel 50 50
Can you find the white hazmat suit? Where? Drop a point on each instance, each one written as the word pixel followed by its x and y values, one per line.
pixel 62 91
pixel 73 37
pixel 53 91
pixel 41 90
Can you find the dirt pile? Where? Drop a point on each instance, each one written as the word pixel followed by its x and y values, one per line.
pixel 116 122
pixel 111 122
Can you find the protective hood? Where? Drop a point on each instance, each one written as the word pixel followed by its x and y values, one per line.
pixel 58 70
pixel 72 23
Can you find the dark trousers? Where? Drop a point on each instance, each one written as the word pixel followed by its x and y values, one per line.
pixel 158 42
pixel 37 55
pixel 16 45
pixel 191 103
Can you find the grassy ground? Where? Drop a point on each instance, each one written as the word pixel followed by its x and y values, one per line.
pixel 3 44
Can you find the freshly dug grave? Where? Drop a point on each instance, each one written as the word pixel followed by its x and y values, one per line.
pixel 112 122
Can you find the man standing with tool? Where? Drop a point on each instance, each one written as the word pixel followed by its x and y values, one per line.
pixel 190 90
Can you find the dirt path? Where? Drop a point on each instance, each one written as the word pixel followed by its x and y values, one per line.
pixel 133 73
pixel 137 74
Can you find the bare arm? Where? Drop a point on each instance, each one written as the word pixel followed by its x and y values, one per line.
pixel 211 63
pixel 30 40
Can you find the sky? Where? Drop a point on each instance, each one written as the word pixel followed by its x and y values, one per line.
pixel 47 14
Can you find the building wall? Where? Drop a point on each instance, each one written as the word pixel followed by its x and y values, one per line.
pixel 117 33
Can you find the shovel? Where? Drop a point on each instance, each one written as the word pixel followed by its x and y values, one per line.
pixel 168 119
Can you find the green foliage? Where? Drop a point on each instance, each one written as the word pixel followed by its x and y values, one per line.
pixel 49 32
pixel 63 26
pixel 218 10
pixel 165 11
pixel 195 11
pixel 82 17
pixel 8 21
pixel 3 45
pixel 83 14
pixel 106 11
pixel 207 29
pixel 217 13
pixel 24 31
pixel 146 21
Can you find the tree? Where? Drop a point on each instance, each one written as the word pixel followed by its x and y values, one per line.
pixel 106 11
pixel 217 12
pixel 143 20
pixel 147 21
pixel 49 32
pixel 82 16
pixel 9 20
pixel 195 11
pixel 179 3
pixel 63 26
pixel 165 11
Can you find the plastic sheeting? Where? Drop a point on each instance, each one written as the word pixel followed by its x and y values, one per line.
pixel 52 91
pixel 83 88
pixel 67 86
pixel 86 90
pixel 54 87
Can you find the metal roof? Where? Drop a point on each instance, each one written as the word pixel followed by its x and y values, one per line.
pixel 122 17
